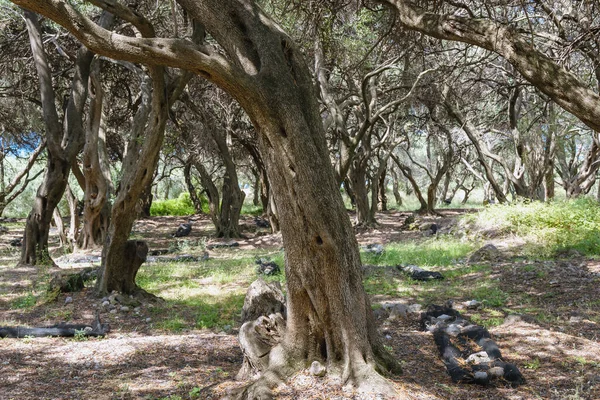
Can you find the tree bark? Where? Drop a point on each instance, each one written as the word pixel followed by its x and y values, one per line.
pixel 96 212
pixel 187 175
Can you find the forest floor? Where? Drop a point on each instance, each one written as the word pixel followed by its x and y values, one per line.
pixel 186 347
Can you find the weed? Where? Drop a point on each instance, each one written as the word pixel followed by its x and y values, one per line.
pixel 532 364
pixel 26 301
pixel 80 336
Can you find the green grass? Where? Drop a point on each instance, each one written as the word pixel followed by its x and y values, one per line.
pixel 434 252
pixel 548 228
pixel 180 206
pixel 26 301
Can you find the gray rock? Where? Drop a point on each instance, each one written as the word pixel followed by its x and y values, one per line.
pixel 415 308
pixel 444 317
pixel 496 372
pixel 105 303
pixel 376 249
pixel 148 319
pixel 317 369
pixel 472 304
pixel 481 376
pixel 478 358
pixel 399 310
pixel 124 308
pixel 453 330
pixel 113 311
pixel 489 252
pixel 388 337
pixel 68 300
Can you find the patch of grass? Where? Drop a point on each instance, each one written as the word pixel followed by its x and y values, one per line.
pixel 180 206
pixel 532 364
pixel 25 301
pixel 442 251
pixel 381 281
pixel 486 320
pixel 548 228
pixel 251 209
pixel 490 296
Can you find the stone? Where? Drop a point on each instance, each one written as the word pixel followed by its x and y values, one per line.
pixel 489 252
pixel 444 317
pixel 481 376
pixel 124 308
pixel 266 267
pixel 453 330
pixel 68 300
pixel 105 303
pixel 415 308
pixel 376 249
pixel 478 358
pixel 113 311
pixel 317 369
pixel 148 319
pixel 472 304
pixel 399 310
pixel 263 299
pixel 496 372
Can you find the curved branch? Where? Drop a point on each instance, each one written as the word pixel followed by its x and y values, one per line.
pixel 550 78
pixel 177 53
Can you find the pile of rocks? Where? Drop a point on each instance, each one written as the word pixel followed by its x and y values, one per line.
pixel 467 350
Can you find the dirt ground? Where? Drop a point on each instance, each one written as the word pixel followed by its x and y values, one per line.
pixel 558 355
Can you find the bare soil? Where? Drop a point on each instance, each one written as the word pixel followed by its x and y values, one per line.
pixel 554 342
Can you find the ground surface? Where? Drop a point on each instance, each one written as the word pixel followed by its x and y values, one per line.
pixel 554 341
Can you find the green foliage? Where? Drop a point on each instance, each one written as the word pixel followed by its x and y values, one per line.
pixel 80 336
pixel 549 227
pixel 180 206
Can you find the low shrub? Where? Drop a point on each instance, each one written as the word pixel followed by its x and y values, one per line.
pixel 548 228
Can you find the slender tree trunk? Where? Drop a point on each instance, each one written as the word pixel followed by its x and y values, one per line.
pixel 120 258
pixel 396 189
pixel 358 178
pixel 187 175
pixel 212 194
pixel 383 192
pixel 73 234
pixel 96 212
pixel 256 189
pixel 60 228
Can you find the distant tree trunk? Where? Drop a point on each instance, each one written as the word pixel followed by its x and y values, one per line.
pixel 256 189
pixel 395 188
pixel 145 202
pixel 187 175
pixel 139 163
pixel 383 192
pixel 407 172
pixel 232 195
pixel 64 140
pixel 74 212
pixel 358 177
pixel 349 192
pixel 96 211
pixel 60 228
pixel 212 194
